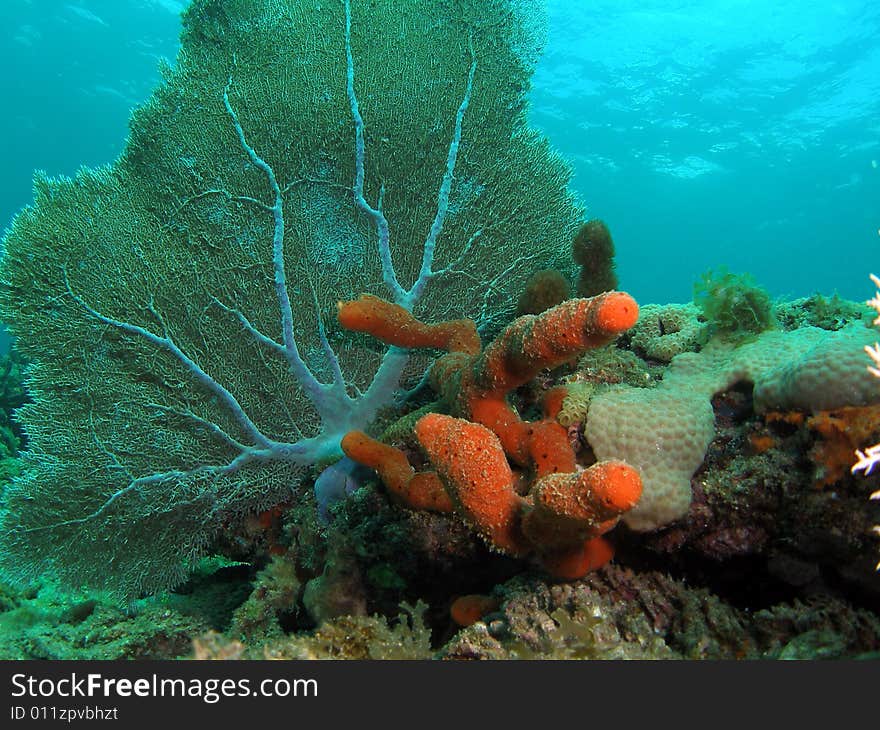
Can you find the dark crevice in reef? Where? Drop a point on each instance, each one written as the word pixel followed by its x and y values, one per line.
pixel 743 581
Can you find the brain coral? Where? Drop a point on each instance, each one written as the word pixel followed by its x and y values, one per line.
pixel 665 431
pixel 666 330
pixel 829 374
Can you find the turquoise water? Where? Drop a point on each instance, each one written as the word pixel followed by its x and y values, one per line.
pixel 193 356
pixel 719 132
pixel 733 132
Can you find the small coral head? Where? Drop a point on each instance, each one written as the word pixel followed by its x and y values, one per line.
pixel 593 245
pixel 543 290
pixel 593 250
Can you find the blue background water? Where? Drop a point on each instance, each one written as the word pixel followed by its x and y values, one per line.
pixel 743 133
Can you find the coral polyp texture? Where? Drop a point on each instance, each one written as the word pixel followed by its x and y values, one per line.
pixel 177 305
pixel 666 330
pixel 484 450
pixel 665 430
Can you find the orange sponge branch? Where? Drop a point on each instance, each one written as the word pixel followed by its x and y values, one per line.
pixel 570 508
pixel 392 324
pixel 535 342
pixel 472 466
pixel 422 490
pixel 565 512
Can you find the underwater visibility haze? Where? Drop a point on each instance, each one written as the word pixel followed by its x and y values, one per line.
pixel 706 133
pixel 439 328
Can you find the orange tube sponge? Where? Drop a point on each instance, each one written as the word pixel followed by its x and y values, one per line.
pixel 565 511
pixel 496 414
pixel 394 325
pixel 467 610
pixel 417 491
pixel 569 508
pixel 553 401
pixel 533 343
pixel 577 562
pixel 475 472
pixel 549 449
